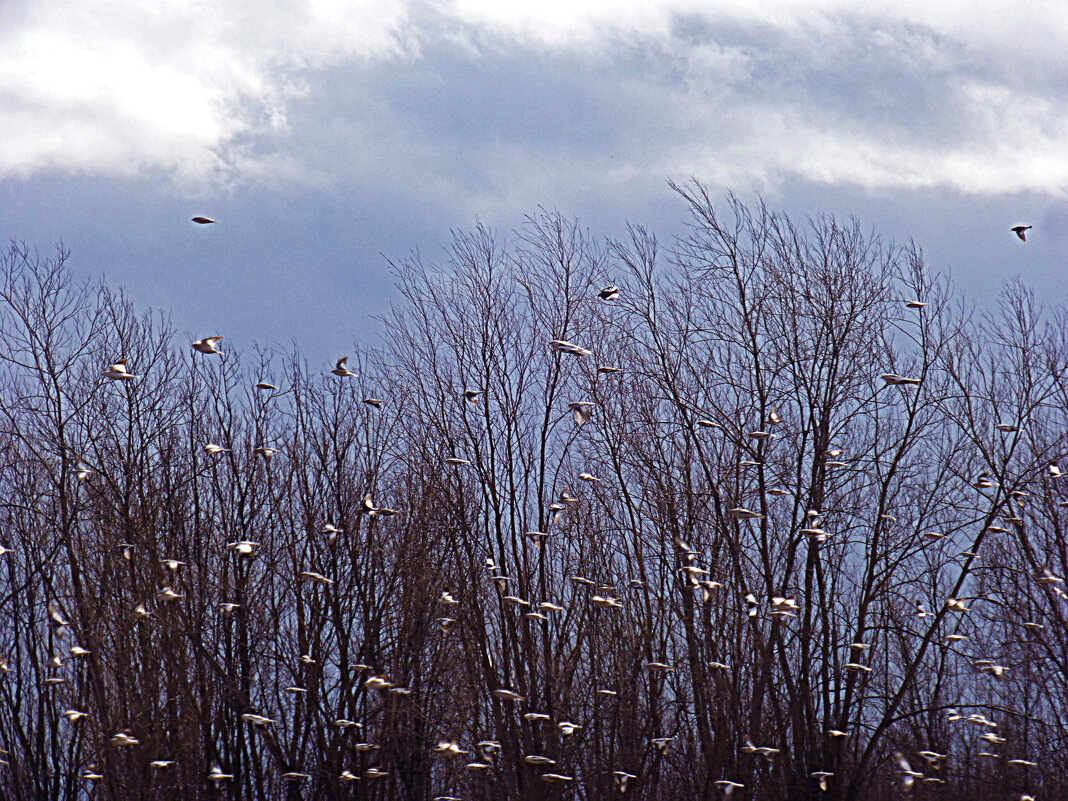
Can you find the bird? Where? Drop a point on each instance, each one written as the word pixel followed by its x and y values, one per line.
pixel 1054 470
pixel 203 220
pixel 314 577
pixel 212 449
pixel 257 720
pixel 118 371
pixel 727 786
pixel 751 605
pixel 266 386
pixel 82 471
pixel 659 667
pixel 242 547
pixel 741 513
pixel 124 739
pixel 895 380
pixel 448 748
pixel 216 774
pixel 265 452
pixel 821 776
pixel 582 410
pixel 74 715
pixel 997 671
pixel 609 293
pixel 161 764
pixel 567 728
pixel 933 758
pixel 1020 230
pixel 472 396
pixel 57 620
pixel 908 773
pixel 368 507
pixel 914 304
pixel 508 695
pixel 169 594
pixel 537 537
pixel 956 605
pixel 784 606
pixel 536 759
pixel 376 402
pixel 563 346
pixel 342 368
pixel 207 345
pixel 623 779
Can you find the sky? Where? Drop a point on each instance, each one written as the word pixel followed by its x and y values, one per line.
pixel 327 137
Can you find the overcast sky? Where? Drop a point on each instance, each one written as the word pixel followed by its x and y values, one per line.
pixel 323 134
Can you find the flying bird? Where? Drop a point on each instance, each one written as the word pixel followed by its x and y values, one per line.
pixel 207 345
pixel 118 371
pixel 895 380
pixel 203 220
pixel 216 774
pixel 342 368
pixel 563 346
pixel 1020 231
pixel 609 293
pixel 82 471
pixel 582 410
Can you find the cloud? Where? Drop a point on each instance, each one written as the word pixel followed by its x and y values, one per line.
pixel 189 88
pixel 880 96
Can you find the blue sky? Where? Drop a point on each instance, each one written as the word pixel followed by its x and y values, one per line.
pixel 327 135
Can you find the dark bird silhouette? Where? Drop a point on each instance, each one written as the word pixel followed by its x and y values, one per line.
pixel 1019 231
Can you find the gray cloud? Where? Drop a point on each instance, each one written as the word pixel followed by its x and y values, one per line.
pixel 871 95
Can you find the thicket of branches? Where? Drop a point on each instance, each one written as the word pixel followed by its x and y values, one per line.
pixel 600 571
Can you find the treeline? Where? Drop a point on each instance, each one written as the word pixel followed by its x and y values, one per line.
pixel 782 511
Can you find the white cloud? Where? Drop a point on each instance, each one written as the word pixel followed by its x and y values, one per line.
pixel 105 86
pixel 882 95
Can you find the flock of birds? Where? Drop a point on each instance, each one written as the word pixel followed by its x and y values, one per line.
pixel 482 756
